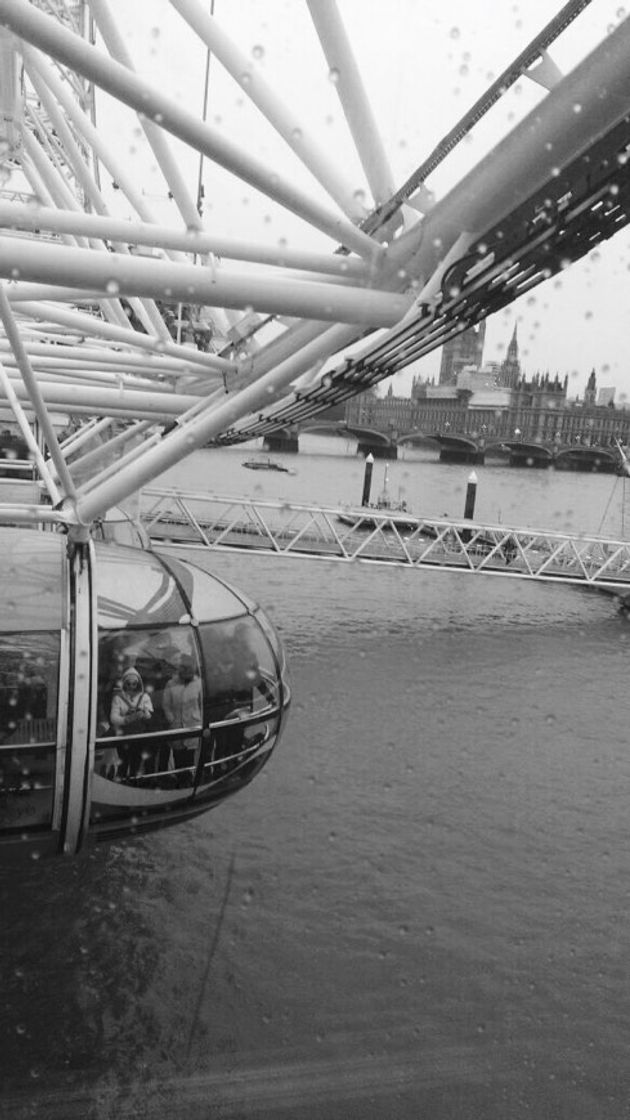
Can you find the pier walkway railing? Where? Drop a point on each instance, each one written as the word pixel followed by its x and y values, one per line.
pixel 196 520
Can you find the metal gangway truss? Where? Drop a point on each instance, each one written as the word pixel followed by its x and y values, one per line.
pixel 191 519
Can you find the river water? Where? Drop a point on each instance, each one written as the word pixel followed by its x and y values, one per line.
pixel 418 908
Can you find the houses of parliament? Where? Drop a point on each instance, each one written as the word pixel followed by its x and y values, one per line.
pixel 494 401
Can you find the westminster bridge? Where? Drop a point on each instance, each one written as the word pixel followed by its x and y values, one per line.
pixel 460 447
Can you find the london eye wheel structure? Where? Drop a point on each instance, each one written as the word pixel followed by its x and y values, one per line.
pixel 141 307
pixel 160 332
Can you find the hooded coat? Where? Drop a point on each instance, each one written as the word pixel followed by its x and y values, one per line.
pixel 131 707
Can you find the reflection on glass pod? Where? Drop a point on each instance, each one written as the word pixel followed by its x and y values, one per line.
pixel 136 690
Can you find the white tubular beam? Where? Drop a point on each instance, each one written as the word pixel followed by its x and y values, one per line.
pixel 356 107
pixel 199 431
pixel 12 397
pixel 309 357
pixel 96 454
pixel 293 341
pixel 58 120
pixel 11 100
pixel 105 372
pixel 56 187
pixel 83 434
pixel 19 216
pixel 28 377
pixel 29 514
pixel 89 325
pixel 75 380
pixel 39 188
pixel 167 164
pixel 118 466
pixel 48 176
pixel 44 32
pixel 104 358
pixel 202 404
pixel 274 108
pixel 86 129
pixel 101 152
pixel 27 292
pixel 145 310
pixel 124 275
pixel 110 402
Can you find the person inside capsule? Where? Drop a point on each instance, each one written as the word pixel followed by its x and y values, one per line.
pixel 130 714
pixel 181 704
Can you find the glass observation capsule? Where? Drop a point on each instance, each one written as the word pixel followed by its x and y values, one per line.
pixel 136 690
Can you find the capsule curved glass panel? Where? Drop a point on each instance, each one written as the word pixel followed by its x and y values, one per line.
pixel 190 705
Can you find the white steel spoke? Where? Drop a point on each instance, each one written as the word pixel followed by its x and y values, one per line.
pixel 274 108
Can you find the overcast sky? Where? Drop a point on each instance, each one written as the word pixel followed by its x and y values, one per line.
pixel 423 65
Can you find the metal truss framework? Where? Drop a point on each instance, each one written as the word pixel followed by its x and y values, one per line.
pixel 164 338
pixel 195 520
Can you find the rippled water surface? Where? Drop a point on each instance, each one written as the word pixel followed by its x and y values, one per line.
pixel 417 909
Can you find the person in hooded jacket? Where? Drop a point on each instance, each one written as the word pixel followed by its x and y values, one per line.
pixel 130 714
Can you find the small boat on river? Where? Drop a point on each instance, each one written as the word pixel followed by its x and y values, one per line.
pixel 266 465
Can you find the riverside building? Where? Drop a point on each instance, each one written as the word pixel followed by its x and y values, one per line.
pixel 494 401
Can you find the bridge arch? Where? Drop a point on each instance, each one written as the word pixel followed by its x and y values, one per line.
pixel 523 454
pixel 372 442
pixel 459 449
pixel 602 460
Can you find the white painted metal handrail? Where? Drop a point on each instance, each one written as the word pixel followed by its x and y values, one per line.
pixel 196 520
